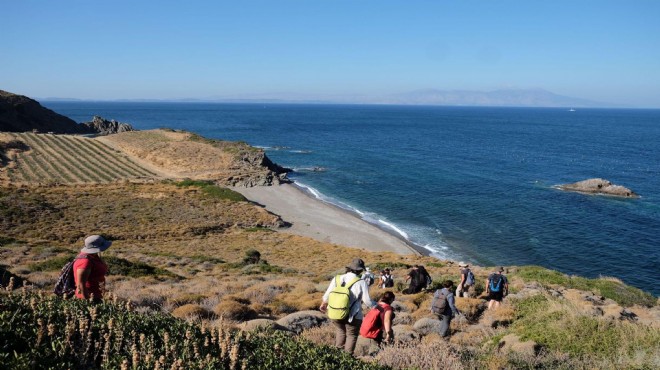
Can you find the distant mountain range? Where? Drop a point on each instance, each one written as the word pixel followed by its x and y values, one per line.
pixel 496 98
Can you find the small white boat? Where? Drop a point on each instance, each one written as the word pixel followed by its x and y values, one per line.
pixel 571 110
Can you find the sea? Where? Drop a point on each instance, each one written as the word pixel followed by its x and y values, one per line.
pixel 473 184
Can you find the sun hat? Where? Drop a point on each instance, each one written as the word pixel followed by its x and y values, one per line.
pixel 462 264
pixel 356 265
pixel 95 244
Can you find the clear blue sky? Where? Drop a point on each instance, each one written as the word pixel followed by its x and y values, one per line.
pixel 599 50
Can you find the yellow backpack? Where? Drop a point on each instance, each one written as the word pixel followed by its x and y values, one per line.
pixel 339 301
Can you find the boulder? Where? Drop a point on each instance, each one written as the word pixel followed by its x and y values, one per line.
pixel 365 347
pixel 299 321
pixel 427 325
pixel 257 324
pixel 404 334
pixel 599 186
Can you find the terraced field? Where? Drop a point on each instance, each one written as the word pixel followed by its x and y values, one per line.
pixel 68 159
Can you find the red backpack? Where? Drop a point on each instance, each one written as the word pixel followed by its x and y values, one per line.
pixel 372 323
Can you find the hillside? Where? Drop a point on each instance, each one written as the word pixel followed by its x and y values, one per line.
pixel 19 113
pixel 183 263
pixel 133 155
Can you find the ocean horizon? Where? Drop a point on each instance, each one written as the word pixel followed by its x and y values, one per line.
pixel 475 184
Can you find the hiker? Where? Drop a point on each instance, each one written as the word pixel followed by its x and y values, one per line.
pixel 497 287
pixel 443 306
pixel 377 324
pixel 466 287
pixel 425 278
pixel 89 270
pixel 342 303
pixel 414 278
pixel 368 277
pixel 386 279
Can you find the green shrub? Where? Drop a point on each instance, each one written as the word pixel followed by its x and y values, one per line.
pixel 212 190
pixel 116 266
pixel 560 328
pixel 378 266
pixel 52 264
pixel 123 267
pixel 617 291
pixel 39 331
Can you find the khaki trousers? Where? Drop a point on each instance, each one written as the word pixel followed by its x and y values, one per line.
pixel 346 334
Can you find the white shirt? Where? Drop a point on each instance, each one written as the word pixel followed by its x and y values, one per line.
pixel 357 289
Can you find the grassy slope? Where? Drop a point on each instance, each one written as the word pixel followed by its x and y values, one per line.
pixel 180 247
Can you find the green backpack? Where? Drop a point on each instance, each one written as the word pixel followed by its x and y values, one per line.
pixel 339 301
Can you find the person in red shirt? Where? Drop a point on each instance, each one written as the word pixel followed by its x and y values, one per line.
pixel 89 270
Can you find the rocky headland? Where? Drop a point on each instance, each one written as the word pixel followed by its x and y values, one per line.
pixel 103 126
pixel 19 113
pixel 599 186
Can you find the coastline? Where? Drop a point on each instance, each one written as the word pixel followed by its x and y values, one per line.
pixel 326 222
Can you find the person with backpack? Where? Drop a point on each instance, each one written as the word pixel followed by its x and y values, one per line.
pixel 497 287
pixel 386 279
pixel 444 307
pixel 419 280
pixel 466 286
pixel 377 323
pixel 89 270
pixel 368 277
pixel 425 281
pixel 341 302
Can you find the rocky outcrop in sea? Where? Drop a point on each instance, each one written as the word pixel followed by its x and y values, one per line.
pixel 104 127
pixel 599 186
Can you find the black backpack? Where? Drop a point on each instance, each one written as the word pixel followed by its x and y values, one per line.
pixel 389 282
pixel 66 283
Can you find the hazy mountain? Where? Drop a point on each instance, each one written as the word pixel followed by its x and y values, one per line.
pixel 497 98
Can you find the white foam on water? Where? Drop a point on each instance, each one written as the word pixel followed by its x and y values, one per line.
pixel 393 227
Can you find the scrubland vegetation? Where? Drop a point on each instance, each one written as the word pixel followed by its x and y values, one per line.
pixel 201 278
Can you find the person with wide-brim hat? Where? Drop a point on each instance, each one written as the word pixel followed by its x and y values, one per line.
pixel 347 329
pixel 465 287
pixel 89 269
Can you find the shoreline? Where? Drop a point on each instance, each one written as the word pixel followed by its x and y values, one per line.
pixel 326 222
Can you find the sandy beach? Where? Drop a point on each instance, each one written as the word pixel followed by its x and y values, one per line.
pixel 321 221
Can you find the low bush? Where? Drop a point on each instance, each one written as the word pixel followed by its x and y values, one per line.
pixel 213 190
pixel 233 310
pixel 613 289
pixel 190 311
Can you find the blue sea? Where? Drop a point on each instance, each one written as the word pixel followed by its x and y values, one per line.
pixel 466 183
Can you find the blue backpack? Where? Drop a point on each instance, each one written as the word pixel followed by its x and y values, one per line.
pixel 496 283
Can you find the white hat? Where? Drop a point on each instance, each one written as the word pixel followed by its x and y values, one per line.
pixel 462 264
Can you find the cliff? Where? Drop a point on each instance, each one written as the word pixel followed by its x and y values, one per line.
pixel 19 113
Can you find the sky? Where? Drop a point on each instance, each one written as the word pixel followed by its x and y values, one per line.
pixel 607 51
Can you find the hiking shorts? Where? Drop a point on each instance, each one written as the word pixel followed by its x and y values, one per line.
pixel 496 296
